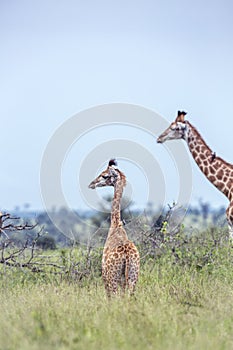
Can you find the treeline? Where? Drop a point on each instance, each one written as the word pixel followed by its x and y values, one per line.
pixel 64 227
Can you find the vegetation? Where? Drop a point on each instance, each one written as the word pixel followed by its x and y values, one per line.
pixel 52 297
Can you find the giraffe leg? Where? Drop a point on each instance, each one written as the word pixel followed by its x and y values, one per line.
pixel 229 213
pixel 112 279
pixel 230 229
pixel 132 280
pixel 110 287
pixel 106 275
pixel 132 272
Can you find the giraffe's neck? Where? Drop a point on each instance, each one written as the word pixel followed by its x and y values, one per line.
pixel 116 233
pixel 219 172
pixel 116 204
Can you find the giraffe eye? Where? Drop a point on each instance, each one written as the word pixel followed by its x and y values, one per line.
pixel 105 176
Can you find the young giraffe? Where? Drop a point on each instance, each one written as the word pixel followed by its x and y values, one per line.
pixel 217 171
pixel 120 261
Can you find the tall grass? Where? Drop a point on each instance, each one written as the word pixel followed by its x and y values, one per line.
pixel 184 300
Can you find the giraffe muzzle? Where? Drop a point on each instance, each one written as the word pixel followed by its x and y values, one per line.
pixel 92 186
pixel 159 140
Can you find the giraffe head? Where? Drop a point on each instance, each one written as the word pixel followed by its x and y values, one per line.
pixel 176 130
pixel 108 177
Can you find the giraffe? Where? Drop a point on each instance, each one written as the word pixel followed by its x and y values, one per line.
pixel 217 170
pixel 121 260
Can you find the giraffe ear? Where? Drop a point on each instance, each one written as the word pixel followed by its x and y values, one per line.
pixel 180 116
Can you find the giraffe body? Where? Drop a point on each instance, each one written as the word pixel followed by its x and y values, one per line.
pixel 217 170
pixel 121 260
pixel 120 267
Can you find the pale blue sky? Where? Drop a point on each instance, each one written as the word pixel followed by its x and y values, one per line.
pixel 61 57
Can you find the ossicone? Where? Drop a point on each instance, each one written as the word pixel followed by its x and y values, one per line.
pixel 112 162
pixel 181 113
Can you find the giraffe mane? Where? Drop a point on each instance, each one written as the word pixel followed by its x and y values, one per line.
pixel 199 136
pixel 209 149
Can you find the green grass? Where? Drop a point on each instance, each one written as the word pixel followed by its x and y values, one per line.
pixel 174 307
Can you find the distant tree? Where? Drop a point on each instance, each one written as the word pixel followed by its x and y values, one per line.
pixel 46 242
pixel 26 206
pixel 218 216
pixel 205 209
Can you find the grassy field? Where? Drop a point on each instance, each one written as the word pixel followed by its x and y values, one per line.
pixel 176 306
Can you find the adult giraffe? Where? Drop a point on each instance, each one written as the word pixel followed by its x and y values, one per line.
pixel 217 170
